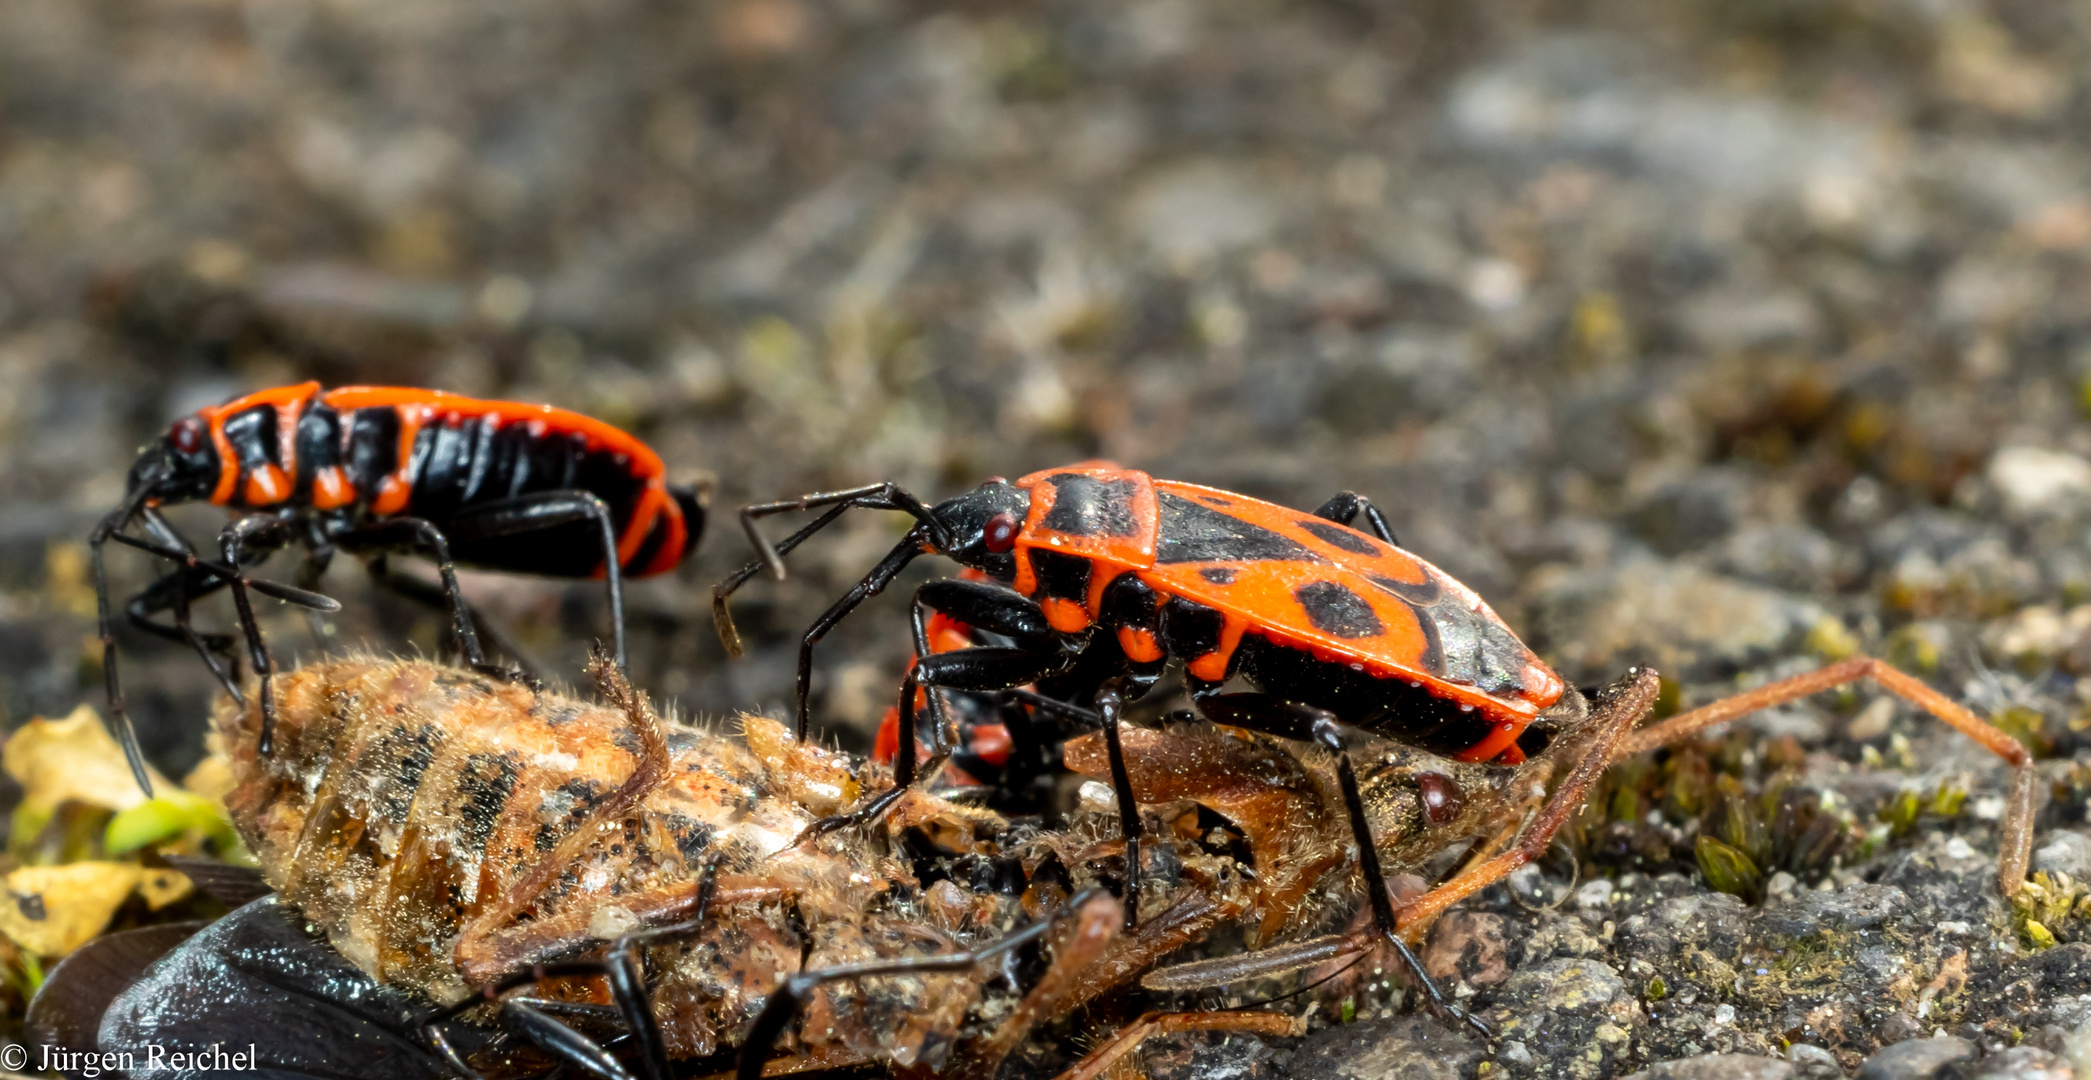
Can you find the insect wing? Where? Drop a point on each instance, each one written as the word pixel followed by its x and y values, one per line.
pixel 233 886
pixel 1346 597
pixel 1095 511
pixel 66 1013
pixel 256 979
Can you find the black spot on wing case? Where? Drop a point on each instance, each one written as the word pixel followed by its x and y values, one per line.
pixel 1334 609
pixel 1465 647
pixel 257 978
pixel 1336 536
pixel 1194 533
pixel 1086 506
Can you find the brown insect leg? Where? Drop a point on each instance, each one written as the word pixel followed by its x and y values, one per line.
pixel 2016 840
pixel 505 949
pixel 475 938
pixel 1263 963
pixel 1135 1033
pixel 1073 950
pixel 1189 919
pixel 788 1000
pixel 1618 710
pixel 817 1059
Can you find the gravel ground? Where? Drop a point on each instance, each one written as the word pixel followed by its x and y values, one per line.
pixel 1723 337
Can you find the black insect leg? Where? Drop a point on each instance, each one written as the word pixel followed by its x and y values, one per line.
pixel 560 1041
pixel 1088 718
pixel 873 584
pixel 547 510
pixel 1039 649
pixel 627 988
pixel 1286 719
pixel 173 593
pixel 176 592
pixel 529 1019
pixel 785 1004
pixel 985 668
pixel 241 585
pixel 406 533
pixel 939 721
pixel 318 556
pixel 905 766
pixel 406 586
pixel 1344 507
pixel 119 721
pixel 883 496
pixel 1109 707
pixel 258 535
pixel 722 617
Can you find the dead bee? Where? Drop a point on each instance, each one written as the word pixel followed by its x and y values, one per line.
pixel 462 838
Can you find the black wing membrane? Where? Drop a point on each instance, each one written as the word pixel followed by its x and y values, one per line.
pixel 233 886
pixel 256 979
pixel 67 1011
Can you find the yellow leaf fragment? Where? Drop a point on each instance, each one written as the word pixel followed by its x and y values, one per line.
pixel 52 910
pixel 212 777
pixel 73 758
pixel 161 887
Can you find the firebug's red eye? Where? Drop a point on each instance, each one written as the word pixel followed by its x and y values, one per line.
pixel 1000 533
pixel 187 435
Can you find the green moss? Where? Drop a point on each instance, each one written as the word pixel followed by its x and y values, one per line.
pixel 1947 800
pixel 1728 869
pixel 1901 812
pixel 2049 909
pixel 1802 966
pixel 2028 726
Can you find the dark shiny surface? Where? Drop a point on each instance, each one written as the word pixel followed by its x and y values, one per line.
pixel 256 977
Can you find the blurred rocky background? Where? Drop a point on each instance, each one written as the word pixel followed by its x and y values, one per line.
pixel 1724 336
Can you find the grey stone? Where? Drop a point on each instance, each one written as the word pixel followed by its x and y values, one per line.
pixel 1575 1017
pixel 1946 889
pixel 1791 557
pixel 1860 907
pixel 2021 1063
pixel 1682 619
pixel 1812 1062
pixel 2065 852
pixel 1410 1047
pixel 1693 512
pixel 1719 1067
pixel 1916 1059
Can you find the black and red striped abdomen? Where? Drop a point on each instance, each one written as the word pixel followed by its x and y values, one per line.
pixel 370 453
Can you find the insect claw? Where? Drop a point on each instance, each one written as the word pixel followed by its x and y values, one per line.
pixel 722 620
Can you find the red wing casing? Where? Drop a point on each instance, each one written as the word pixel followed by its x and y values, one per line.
pixel 1294 579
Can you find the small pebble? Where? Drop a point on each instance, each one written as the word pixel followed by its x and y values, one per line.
pixel 1916 1059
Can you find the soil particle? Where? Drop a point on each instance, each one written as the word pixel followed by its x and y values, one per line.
pixel 1720 1067
pixel 1916 1059
pixel 1409 1047
pixel 1574 1016
pixel 2017 1063
pixel 2066 852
